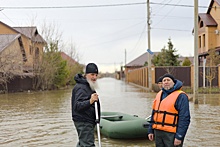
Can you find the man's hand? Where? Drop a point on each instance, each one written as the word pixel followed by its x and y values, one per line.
pixel 151 137
pixel 94 97
pixel 177 142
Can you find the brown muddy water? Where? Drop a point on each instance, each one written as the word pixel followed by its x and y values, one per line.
pixel 43 119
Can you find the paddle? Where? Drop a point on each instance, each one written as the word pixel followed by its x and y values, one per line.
pixel 97 122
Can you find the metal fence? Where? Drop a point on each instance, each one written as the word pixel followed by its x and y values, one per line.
pixel 139 76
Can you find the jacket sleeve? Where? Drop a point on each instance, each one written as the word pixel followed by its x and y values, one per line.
pixel 182 106
pixel 150 129
pixel 82 99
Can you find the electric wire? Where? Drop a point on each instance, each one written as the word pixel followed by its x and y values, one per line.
pixel 135 47
pixel 167 14
pixel 73 7
pixel 97 6
pixel 120 31
pixel 158 9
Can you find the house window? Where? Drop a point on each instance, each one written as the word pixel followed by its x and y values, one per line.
pixel 30 50
pixel 203 40
pixel 201 24
pixel 37 52
pixel 200 42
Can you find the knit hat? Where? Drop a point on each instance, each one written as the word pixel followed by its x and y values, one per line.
pixel 91 68
pixel 169 76
pixel 160 79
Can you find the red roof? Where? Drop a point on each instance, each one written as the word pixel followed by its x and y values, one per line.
pixel 141 60
pixel 207 19
pixel 68 58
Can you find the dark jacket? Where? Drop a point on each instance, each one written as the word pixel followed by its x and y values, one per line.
pixel 182 106
pixel 82 110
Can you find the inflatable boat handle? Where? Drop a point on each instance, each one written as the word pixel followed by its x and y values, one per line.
pixel 112 116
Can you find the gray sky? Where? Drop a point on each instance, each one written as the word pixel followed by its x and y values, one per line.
pixel 101 34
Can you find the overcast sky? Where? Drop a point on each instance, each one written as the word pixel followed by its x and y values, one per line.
pixel 102 30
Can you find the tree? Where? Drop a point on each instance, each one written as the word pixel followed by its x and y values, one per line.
pixel 52 71
pixel 60 78
pixel 167 57
pixel 73 65
pixel 11 61
pixel 212 61
pixel 186 62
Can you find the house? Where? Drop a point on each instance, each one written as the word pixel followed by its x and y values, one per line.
pixel 142 60
pixel 139 62
pixel 12 56
pixel 209 30
pixel 31 41
pixel 21 49
pixel 68 58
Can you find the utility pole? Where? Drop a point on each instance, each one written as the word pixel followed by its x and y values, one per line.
pixel 125 71
pixel 148 37
pixel 125 56
pixel 195 86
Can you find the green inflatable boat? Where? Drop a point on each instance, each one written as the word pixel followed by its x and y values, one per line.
pixel 123 126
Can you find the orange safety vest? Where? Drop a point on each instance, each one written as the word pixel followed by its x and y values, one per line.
pixel 165 115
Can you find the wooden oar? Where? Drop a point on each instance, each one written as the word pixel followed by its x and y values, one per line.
pixel 97 122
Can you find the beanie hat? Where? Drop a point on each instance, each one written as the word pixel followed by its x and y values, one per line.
pixel 169 76
pixel 160 79
pixel 91 68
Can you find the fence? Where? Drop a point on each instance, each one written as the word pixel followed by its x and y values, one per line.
pixel 185 74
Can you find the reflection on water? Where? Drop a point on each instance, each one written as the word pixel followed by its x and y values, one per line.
pixel 44 118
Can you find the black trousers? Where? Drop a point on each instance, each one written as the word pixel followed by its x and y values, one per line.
pixel 165 139
pixel 85 134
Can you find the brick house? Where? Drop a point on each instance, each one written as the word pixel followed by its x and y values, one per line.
pixel 21 48
pixel 31 41
pixel 209 30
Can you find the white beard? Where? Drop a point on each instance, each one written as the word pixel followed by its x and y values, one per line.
pixel 93 85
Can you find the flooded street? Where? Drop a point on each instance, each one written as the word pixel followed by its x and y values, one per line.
pixel 44 118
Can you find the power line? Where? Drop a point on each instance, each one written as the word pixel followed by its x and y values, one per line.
pixel 183 17
pixel 97 6
pixel 171 29
pixel 167 13
pixel 161 7
pixel 138 42
pixel 74 7
pixel 117 32
pixel 6 16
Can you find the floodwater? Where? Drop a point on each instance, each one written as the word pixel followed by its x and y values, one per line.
pixel 44 118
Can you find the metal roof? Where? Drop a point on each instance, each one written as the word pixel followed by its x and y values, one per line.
pixel 141 60
pixel 7 39
pixel 30 32
pixel 207 19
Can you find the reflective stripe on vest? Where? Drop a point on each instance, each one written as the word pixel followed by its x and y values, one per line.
pixel 165 115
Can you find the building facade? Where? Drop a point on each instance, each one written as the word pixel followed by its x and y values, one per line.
pixel 209 30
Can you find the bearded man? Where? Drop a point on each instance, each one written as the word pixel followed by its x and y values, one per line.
pixel 83 108
pixel 170 116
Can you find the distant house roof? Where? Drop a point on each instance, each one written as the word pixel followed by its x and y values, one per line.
pixel 68 58
pixel 140 61
pixel 7 39
pixel 207 19
pixel 30 32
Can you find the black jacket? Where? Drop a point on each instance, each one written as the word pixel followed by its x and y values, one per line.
pixel 82 110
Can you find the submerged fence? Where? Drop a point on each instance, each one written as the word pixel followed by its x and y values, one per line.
pixel 185 74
